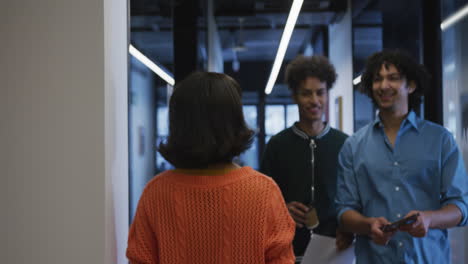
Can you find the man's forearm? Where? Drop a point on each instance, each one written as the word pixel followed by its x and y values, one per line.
pixel 446 217
pixel 354 222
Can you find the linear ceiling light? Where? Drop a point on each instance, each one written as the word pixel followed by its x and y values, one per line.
pixel 357 80
pixel 449 21
pixel 148 63
pixel 288 29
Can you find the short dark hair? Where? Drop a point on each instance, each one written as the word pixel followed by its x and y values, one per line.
pixel 406 66
pixel 303 67
pixel 206 122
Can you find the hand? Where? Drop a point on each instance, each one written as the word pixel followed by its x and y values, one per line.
pixel 420 227
pixel 343 239
pixel 376 234
pixel 298 212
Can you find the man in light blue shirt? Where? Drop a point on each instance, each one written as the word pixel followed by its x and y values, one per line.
pixel 398 166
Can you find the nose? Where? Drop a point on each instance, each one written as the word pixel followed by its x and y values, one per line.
pixel 385 83
pixel 313 98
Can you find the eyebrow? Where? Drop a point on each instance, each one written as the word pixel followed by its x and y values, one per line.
pixel 377 74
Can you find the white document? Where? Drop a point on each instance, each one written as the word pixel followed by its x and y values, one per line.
pixel 322 250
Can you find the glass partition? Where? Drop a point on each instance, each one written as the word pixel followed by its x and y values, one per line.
pixel 455 106
pixel 250 156
pixel 150 35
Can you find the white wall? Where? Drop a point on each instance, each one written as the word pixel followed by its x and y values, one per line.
pixel 340 54
pixel 116 130
pixel 63 130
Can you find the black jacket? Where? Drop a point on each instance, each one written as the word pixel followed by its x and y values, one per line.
pixel 287 159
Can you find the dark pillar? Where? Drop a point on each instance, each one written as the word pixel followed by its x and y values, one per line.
pixel 320 41
pixel 432 54
pixel 401 26
pixel 185 38
pixel 414 26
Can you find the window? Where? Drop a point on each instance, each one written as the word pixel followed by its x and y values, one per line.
pixel 292 115
pixel 279 117
pixel 250 157
pixel 274 119
pixel 162 133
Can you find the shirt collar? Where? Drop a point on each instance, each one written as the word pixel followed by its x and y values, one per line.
pixel 411 119
pixel 303 135
pixel 377 121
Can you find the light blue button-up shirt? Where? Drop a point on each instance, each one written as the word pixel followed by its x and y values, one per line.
pixel 423 171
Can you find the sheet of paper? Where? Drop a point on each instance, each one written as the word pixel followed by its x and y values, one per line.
pixel 322 249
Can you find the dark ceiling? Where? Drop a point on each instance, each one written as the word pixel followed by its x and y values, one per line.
pixel 250 30
pixel 262 24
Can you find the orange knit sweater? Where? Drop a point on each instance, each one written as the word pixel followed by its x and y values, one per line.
pixel 237 217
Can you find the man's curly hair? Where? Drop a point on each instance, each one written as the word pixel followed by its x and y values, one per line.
pixel 303 67
pixel 406 66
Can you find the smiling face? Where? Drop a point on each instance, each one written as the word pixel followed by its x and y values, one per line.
pixel 390 90
pixel 311 98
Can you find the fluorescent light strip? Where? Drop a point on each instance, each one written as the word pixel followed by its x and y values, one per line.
pixel 288 29
pixel 148 63
pixel 357 80
pixel 449 21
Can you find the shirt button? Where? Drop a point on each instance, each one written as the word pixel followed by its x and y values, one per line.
pixel 395 163
pixel 397 188
pixel 400 244
pixel 398 215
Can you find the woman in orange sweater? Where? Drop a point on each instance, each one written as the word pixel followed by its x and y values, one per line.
pixel 209 210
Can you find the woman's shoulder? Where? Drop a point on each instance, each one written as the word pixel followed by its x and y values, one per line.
pixel 246 176
pixel 261 181
pixel 159 178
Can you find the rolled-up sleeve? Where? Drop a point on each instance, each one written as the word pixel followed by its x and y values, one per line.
pixel 347 197
pixel 454 187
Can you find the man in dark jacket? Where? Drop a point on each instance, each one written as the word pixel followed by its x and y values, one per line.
pixel 303 159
